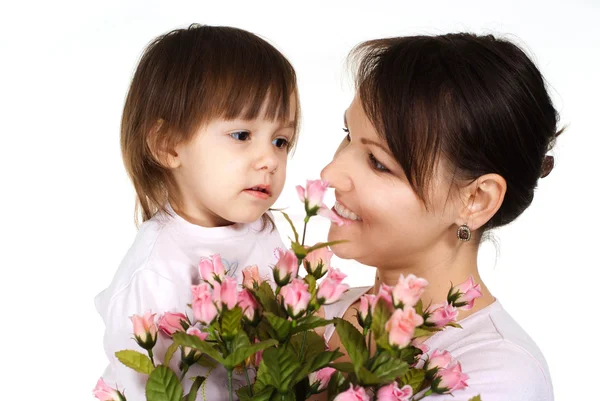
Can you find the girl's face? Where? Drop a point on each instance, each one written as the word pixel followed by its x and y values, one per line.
pixel 233 170
pixel 387 223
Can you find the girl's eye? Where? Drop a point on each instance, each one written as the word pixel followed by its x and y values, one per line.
pixel 281 143
pixel 240 135
pixel 347 131
pixel 376 165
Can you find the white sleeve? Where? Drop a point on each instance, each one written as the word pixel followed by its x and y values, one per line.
pixel 147 291
pixel 502 372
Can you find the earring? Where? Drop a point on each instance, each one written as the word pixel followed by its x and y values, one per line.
pixel 464 233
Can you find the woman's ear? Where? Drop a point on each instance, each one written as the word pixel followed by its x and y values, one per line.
pixel 481 200
pixel 162 153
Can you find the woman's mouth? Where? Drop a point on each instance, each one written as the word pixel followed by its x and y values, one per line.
pixel 345 213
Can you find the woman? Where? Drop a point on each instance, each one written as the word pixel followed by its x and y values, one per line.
pixel 446 139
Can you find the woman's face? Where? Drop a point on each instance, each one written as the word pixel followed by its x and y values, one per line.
pixel 387 223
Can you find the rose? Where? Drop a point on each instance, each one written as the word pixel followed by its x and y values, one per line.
pixel 171 322
pixel 320 379
pixel 191 355
pixel 225 293
pixel 251 276
pixel 408 290
pixel 249 306
pixel 295 298
pixel 439 360
pixel 312 196
pixel 463 296
pixel 441 315
pixel 332 288
pixel 318 262
pixel 365 310
pixel 145 330
pixel 385 294
pixel 212 269
pixel 449 380
pixel 401 326
pixel 392 392
pixel 286 267
pixel 353 394
pixel 105 393
pixel 203 306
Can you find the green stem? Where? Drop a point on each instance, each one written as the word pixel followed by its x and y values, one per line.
pixel 151 355
pixel 230 381
pixel 304 231
pixel 248 380
pixel 427 394
pixel 369 342
pixel 184 371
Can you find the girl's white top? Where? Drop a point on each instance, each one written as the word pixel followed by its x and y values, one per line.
pixel 157 274
pixel 502 361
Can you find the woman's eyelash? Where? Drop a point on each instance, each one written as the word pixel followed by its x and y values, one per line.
pixel 376 165
pixel 347 131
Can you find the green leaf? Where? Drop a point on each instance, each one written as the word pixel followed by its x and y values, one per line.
pixel 318 362
pixel 191 396
pixel 136 361
pixel 381 315
pixel 476 398
pixel 345 367
pixel 414 378
pixel 231 322
pixel 310 323
pixel 424 331
pixel 312 283
pixel 163 385
pixel 314 344
pixel 169 354
pixel 419 307
pixel 353 342
pixel 337 385
pixel 240 354
pixel 267 299
pixel 388 368
pixel 291 224
pixel 281 326
pixel 367 378
pixel 195 342
pixel 278 368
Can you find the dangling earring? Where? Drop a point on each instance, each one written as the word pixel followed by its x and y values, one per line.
pixel 464 233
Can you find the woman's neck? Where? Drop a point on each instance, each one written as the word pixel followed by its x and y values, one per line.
pixel 451 268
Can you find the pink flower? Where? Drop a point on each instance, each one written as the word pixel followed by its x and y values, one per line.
pixel 312 197
pixel 329 214
pixel 392 392
pixel 442 314
pixel 440 360
pixel 318 262
pixel 465 294
pixel 286 267
pixel 320 378
pixel 401 326
pixel 225 293
pixel 353 394
pixel 417 343
pixel 145 330
pixel 331 288
pixel 171 322
pixel 295 297
pixel 365 310
pixel 449 380
pixel 385 293
pixel 203 306
pixel 191 355
pixel 408 290
pixel 212 269
pixel 105 393
pixel 251 276
pixel 249 305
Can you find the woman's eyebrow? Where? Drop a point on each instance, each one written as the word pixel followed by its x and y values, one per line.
pixel 365 141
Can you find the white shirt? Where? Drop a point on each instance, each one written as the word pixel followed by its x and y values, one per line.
pixel 502 361
pixel 157 274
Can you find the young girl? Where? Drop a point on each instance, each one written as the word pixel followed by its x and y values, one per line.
pixel 446 139
pixel 210 117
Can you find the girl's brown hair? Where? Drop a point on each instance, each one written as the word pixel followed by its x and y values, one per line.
pixel 185 79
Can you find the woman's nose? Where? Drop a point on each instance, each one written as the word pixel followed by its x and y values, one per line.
pixel 337 175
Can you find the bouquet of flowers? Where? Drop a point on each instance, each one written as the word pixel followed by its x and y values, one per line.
pixel 267 332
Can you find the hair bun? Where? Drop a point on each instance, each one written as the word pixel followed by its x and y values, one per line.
pixel 547 165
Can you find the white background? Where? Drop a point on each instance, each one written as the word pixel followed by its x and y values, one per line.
pixel 67 205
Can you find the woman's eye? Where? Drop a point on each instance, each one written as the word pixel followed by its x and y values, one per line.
pixel 376 165
pixel 281 143
pixel 347 131
pixel 240 135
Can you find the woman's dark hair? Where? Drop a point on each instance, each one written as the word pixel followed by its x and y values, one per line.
pixel 479 102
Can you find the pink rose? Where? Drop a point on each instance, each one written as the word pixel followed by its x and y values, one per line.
pixel 465 294
pixel 225 293
pixel 330 215
pixel 392 392
pixel 365 310
pixel 401 326
pixel 105 393
pixel 449 380
pixel 440 360
pixel 212 269
pixel 385 293
pixel 295 298
pixel 248 305
pixel 251 276
pixel 320 378
pixel 418 343
pixel 408 290
pixel 312 196
pixel 331 288
pixel 318 262
pixel 203 306
pixel 191 355
pixel 442 314
pixel 353 394
pixel 286 267
pixel 171 322
pixel 145 330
